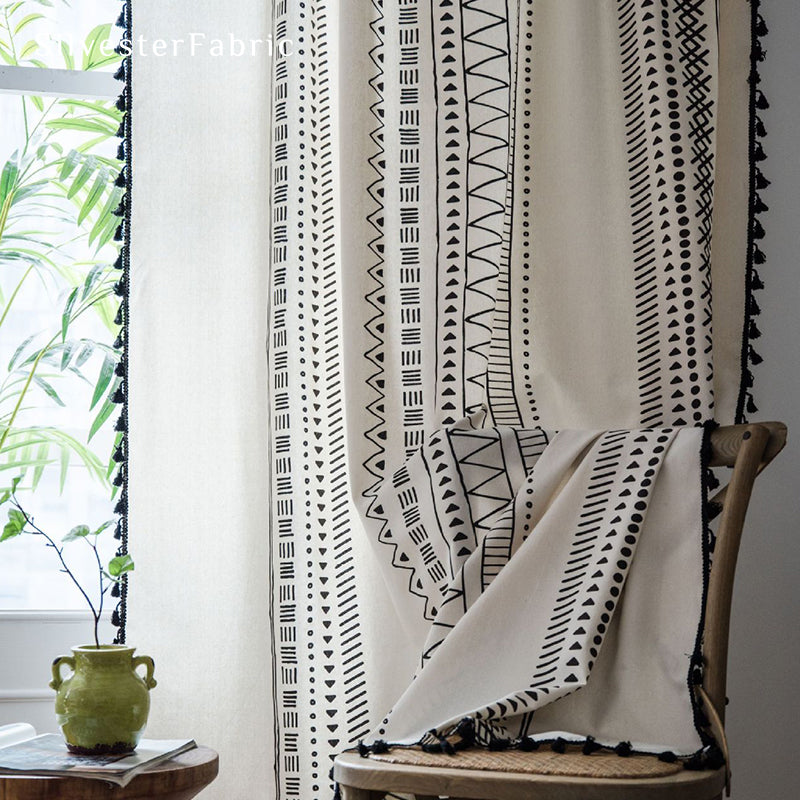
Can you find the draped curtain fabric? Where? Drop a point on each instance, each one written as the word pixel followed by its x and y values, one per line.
pixel 536 214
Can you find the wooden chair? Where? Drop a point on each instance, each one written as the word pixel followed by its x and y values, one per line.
pixel 746 448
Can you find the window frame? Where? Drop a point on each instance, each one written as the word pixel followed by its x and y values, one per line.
pixel 44 81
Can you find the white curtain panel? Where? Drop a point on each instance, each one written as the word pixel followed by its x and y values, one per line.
pixel 481 206
pixel 443 206
pixel 198 383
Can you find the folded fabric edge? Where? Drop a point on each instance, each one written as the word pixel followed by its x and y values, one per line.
pixel 709 756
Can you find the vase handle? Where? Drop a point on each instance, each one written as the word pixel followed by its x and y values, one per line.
pixel 57 679
pixel 149 681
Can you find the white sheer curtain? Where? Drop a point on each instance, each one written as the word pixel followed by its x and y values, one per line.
pixel 198 497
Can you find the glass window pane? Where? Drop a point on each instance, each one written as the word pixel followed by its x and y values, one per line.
pixel 60 35
pixel 56 252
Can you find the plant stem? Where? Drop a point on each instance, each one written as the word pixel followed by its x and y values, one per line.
pixel 85 307
pixel 93 545
pixel 37 531
pixel 14 295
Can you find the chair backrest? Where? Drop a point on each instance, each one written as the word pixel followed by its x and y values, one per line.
pixel 748 449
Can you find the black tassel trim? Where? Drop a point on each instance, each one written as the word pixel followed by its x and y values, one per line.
pixel 115 592
pixel 623 749
pixel 695 675
pixel 122 235
pixel 496 745
pixel 465 730
pixel 750 405
pixel 708 758
pixel 754 357
pixel 115 618
pixel 528 745
pixel 755 256
pixel 590 746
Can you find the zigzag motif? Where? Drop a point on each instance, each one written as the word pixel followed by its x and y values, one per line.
pixel 376 435
pixel 487 50
pixel 483 472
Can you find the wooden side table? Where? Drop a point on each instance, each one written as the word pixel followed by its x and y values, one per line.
pixel 180 778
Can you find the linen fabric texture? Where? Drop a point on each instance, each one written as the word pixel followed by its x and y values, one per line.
pixel 497 226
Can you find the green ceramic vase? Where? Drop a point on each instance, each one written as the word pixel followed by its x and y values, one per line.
pixel 102 706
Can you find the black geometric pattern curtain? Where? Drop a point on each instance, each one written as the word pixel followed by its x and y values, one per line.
pixel 541 210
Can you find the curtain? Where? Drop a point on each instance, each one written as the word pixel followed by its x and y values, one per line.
pixel 542 212
pixel 198 456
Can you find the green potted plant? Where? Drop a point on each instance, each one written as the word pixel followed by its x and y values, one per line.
pixel 59 205
pixel 103 706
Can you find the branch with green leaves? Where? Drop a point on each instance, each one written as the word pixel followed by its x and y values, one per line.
pixel 58 179
pixel 110 577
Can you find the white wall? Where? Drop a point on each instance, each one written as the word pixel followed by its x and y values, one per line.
pixel 31 640
pixel 765 643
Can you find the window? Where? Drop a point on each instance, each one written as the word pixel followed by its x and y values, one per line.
pixel 58 194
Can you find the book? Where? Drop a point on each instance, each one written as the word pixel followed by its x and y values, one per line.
pixel 24 753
